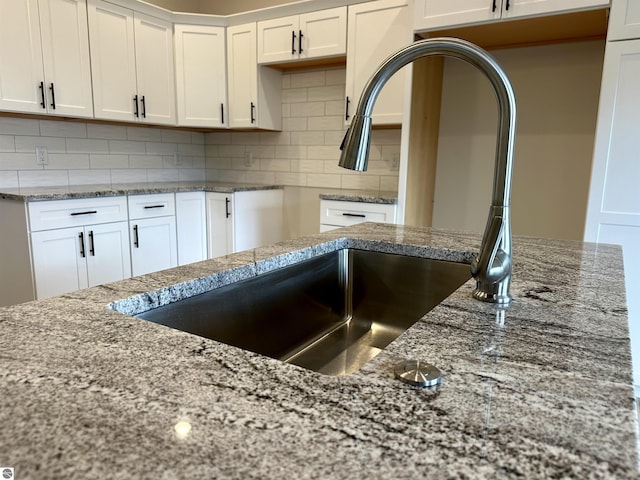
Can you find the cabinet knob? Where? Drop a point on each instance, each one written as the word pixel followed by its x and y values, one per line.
pixel 42 103
pixel 144 107
pixel 136 242
pixel 92 250
pixel 81 237
pixel 53 96
pixel 135 102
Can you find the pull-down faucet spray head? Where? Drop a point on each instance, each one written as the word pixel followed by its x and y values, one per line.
pixel 492 266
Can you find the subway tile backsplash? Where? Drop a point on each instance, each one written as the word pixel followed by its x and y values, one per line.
pixel 86 153
pixel 305 153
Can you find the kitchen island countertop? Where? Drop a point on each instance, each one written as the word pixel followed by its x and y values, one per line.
pixel 541 389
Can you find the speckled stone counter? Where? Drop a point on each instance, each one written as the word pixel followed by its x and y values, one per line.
pixel 86 191
pixel 540 390
pixel 388 198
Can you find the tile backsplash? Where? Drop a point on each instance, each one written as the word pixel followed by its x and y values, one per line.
pixel 304 153
pixel 91 153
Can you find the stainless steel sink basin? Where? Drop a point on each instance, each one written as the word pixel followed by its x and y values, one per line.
pixel 330 314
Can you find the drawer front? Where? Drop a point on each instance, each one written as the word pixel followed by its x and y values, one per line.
pixel 53 214
pixel 152 205
pixel 342 214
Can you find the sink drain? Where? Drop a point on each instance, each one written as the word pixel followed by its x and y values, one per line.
pixel 418 373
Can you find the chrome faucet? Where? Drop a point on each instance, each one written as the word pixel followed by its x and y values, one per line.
pixel 492 267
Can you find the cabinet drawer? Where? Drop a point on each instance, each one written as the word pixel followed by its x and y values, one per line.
pixel 152 205
pixel 52 214
pixel 341 214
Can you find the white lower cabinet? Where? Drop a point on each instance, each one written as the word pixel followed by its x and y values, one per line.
pixel 340 213
pixel 69 259
pixel 191 227
pixel 243 220
pixel 219 224
pixel 152 228
pixel 90 247
pixel 613 212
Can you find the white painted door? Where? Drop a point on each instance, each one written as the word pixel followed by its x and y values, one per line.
pixel 219 223
pixel 525 8
pixel 107 253
pixel 624 20
pixel 242 75
pixel 201 76
pixel 257 218
pixel 113 61
pixel 376 30
pixel 613 212
pixel 65 45
pixel 59 261
pixel 21 71
pixel 278 39
pixel 324 33
pixel 191 227
pixel 430 14
pixel 155 70
pixel 153 244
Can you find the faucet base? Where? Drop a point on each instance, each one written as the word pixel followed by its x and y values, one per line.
pixel 499 298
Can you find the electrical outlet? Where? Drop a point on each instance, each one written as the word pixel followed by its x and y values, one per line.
pixel 42 156
pixel 248 159
pixel 177 159
pixel 395 162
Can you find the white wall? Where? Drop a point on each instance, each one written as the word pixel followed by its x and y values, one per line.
pixel 92 153
pixel 557 90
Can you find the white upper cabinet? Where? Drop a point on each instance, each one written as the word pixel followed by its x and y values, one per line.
pixel 431 14
pixel 201 79
pixel 44 57
pixel 624 20
pixel 132 65
pixel 255 92
pixel 376 30
pixel 312 35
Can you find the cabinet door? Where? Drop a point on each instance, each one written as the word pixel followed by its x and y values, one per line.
pixel 324 33
pixel 219 224
pixel 242 75
pixel 107 253
pixel 624 20
pixel 201 75
pixel 154 67
pixel 191 227
pixel 153 244
pixel 376 30
pixel 523 8
pixel 20 57
pixel 59 261
pixel 431 14
pixel 278 39
pixel 257 218
pixel 65 45
pixel 113 61
pixel 613 211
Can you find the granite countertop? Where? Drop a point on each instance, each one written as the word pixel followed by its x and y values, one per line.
pixel 390 198
pixel 87 191
pixel 540 390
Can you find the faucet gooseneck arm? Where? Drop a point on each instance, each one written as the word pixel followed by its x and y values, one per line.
pixel 492 267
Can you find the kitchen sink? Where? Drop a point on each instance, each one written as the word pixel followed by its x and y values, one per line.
pixel 330 314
